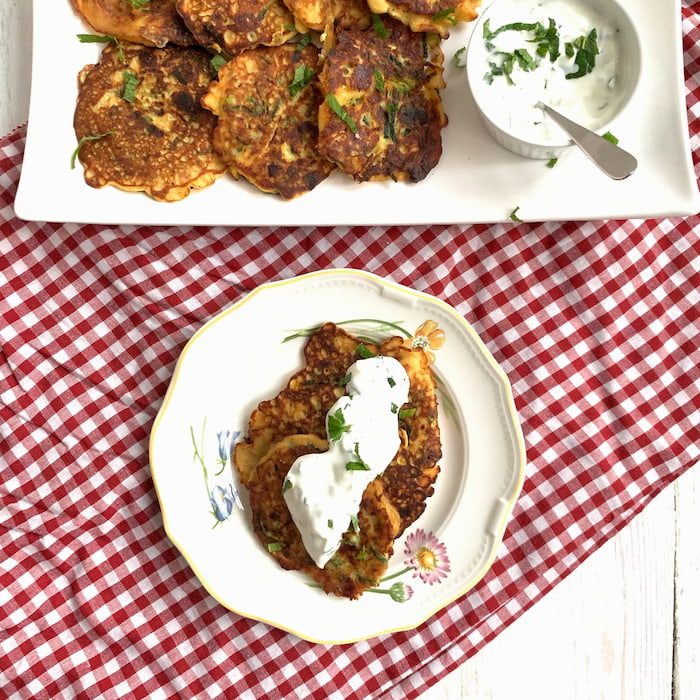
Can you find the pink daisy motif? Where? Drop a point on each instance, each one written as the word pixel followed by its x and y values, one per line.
pixel 427 555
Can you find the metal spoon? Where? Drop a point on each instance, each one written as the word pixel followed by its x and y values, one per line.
pixel 609 157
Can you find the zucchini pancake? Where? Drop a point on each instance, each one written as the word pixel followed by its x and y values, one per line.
pixel 428 15
pixel 321 15
pixel 153 23
pixel 228 27
pixel 382 116
pixel 294 423
pixel 267 108
pixel 140 124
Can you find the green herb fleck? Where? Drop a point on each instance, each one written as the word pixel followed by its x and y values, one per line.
pixel 448 13
pixel 274 546
pixel 586 51
pixel 97 38
pixel 353 466
pixel 83 140
pixel 552 162
pixel 460 57
pixel 407 413
pixel 611 137
pixel 379 29
pixel 302 76
pixel 364 352
pixel 286 485
pixel 514 215
pixel 379 80
pixel 332 102
pixel 359 464
pixel 216 63
pixel 130 84
pixel 337 425
pixel 390 122
pixel 304 40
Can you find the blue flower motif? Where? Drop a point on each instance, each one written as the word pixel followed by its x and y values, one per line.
pixel 222 501
pixel 226 438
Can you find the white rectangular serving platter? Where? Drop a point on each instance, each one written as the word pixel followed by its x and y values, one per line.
pixel 476 181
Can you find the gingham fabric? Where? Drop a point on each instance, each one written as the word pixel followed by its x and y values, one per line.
pixel 597 326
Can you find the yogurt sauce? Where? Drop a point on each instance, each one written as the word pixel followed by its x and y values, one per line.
pixel 592 100
pixel 323 490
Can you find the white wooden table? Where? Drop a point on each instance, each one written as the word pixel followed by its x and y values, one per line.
pixel 624 625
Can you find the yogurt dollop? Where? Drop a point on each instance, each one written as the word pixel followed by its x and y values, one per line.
pixel 323 490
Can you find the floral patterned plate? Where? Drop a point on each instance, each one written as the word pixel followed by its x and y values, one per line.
pixel 246 354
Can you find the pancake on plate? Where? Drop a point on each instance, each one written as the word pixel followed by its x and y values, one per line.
pixel 382 114
pixel 228 27
pixel 266 100
pixel 153 23
pixel 362 558
pixel 294 423
pixel 428 15
pixel 139 122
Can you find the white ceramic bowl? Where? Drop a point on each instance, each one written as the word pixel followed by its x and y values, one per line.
pixel 596 100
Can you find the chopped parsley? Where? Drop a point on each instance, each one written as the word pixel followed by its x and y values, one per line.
pixel 102 39
pixel 130 84
pixel 586 50
pixel 611 137
pixel 364 352
pixel 379 29
pixel 274 546
pixel 407 413
pixel 302 76
pixel 337 425
pixel 379 81
pixel 390 122
pixel 460 58
pixel 332 102
pixel 514 215
pixel 97 38
pixel 216 63
pixel 359 464
pixel 552 162
pixel 448 14
pixel 83 140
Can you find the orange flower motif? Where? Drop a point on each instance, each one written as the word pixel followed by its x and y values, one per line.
pixel 428 337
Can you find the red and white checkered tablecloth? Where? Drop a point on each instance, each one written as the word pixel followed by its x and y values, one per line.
pixel 596 324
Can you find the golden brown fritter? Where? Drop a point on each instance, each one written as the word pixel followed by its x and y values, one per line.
pixel 302 405
pixel 267 103
pixel 153 23
pixel 321 14
pixel 362 558
pixel 428 15
pixel 228 27
pixel 382 115
pixel 140 124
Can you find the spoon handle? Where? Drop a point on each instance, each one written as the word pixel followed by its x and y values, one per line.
pixel 609 157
